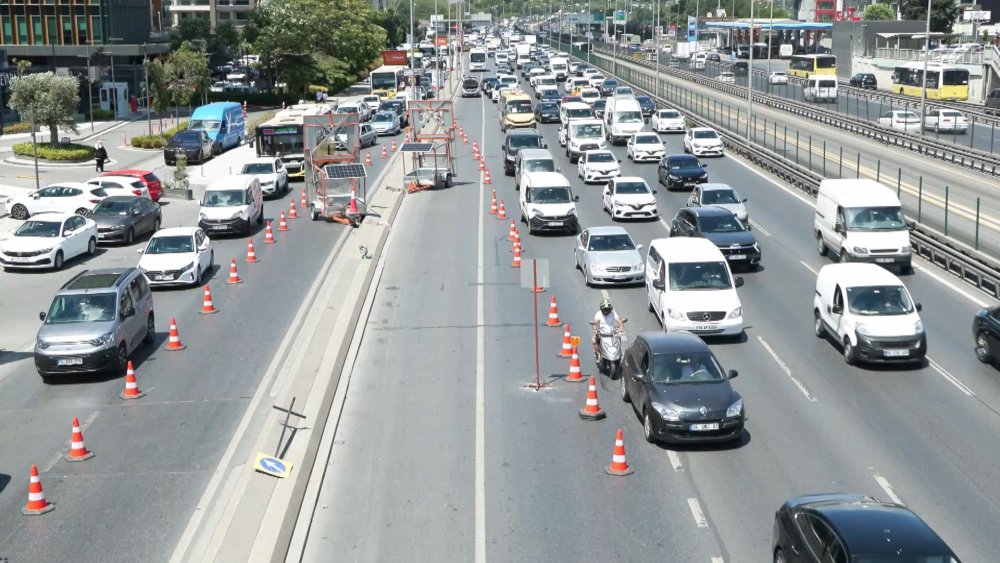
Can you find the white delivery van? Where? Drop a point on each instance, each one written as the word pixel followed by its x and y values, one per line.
pixel 820 88
pixel 690 287
pixel 547 203
pixel 862 221
pixel 622 118
pixel 583 135
pixel 559 66
pixel 232 204
pixel 869 313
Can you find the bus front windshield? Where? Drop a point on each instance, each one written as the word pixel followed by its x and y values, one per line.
pixel 384 81
pixel 272 143
pixel 478 57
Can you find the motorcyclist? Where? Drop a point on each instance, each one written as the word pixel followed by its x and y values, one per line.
pixel 605 320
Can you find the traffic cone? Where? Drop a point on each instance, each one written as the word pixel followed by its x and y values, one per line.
pixel 482 164
pixel 567 343
pixel 36 497
pixel 553 313
pixel 282 224
pixel 368 158
pixel 517 238
pixel 124 139
pixel 77 450
pixel 292 213
pixel 512 234
pixel 591 410
pixel 268 234
pixel 384 153
pixel 234 276
pixel 131 390
pixel 465 140
pixel 393 148
pixel 486 177
pixel 517 258
pixel 251 254
pixel 174 340
pixel 618 464
pixel 352 208
pixel 575 373
pixel 303 201
pixel 461 131
pixel 502 213
pixel 475 147
pixel 407 135
pixel 207 307
pixel 493 204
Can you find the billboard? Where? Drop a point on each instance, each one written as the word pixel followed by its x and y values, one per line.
pixel 619 17
pixel 692 29
pixel 394 58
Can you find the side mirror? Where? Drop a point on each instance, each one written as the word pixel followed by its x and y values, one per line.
pixel 733 373
pixel 658 284
pixel 744 200
pixel 139 250
pixel 607 190
pixel 919 307
pixel 694 201
pixel 35 196
pixel 619 161
pixel 638 376
pixel 129 312
pixel 836 309
pixel 136 212
pixel 704 165
pixel 911 225
pixel 738 282
pixel 41 316
pixel 576 198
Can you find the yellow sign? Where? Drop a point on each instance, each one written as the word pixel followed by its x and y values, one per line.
pixel 271 465
pixel 575 340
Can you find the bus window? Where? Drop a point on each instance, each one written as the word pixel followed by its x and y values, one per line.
pixel 956 78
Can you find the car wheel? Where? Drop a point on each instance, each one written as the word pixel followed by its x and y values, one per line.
pixel 818 329
pixel 129 236
pixel 156 225
pixel 850 356
pixel 779 556
pixel 150 330
pixel 983 353
pixel 313 213
pixel 260 217
pixel 57 263
pixel 647 427
pixel 624 392
pixel 19 212
pixel 91 246
pixel 820 245
pixel 844 256
pixel 82 211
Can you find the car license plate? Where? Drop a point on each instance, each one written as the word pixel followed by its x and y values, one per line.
pixel 70 362
pixel 737 256
pixel 555 223
pixel 884 260
pixel 18 260
pixel 162 277
pixel 705 327
pixel 896 353
pixel 704 426
pixel 218 227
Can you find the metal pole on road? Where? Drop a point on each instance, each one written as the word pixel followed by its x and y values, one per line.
pixel 34 145
pixel 927 54
pixel 750 76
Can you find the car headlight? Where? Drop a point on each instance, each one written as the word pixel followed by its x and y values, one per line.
pixel 905 250
pixel 639 266
pixel 102 340
pixel 703 176
pixel 187 267
pixel 756 246
pixel 594 268
pixel 536 213
pixel 666 412
pixel 860 250
pixel 862 329
pixel 572 210
pixel 918 327
pixel 736 313
pixel 202 216
pixel 618 202
pixel 41 343
pixel 118 228
pixel 674 177
pixel 42 251
pixel 675 314
pixel 735 409
pixel 237 215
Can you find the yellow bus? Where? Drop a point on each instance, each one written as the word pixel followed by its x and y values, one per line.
pixel 944 82
pixel 804 65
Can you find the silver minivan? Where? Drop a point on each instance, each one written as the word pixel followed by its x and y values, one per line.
pixel 532 160
pixel 95 323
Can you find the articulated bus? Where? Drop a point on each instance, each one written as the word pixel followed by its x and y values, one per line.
pixel 389 79
pixel 944 82
pixel 804 65
pixel 282 136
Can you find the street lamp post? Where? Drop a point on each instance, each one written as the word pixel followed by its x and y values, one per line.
pixel 114 85
pixel 770 38
pixel 413 55
pixel 34 143
pixel 656 57
pixel 145 68
pixel 927 54
pixel 90 90
pixel 750 79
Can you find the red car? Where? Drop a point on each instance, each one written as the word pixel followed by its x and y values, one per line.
pixel 148 179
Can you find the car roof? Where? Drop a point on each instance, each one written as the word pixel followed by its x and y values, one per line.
pixel 608 230
pixel 121 177
pixel 174 231
pixel 620 179
pixel 81 185
pixel 127 172
pixel 523 133
pixel 854 274
pixel 115 198
pixel 50 216
pixel 710 211
pixel 714 186
pixel 547 179
pixel 232 182
pixel 576 105
pixel 102 279
pixel 702 129
pixel 876 528
pixel 676 341
pixel 261 160
pixel 534 154
pixel 678 250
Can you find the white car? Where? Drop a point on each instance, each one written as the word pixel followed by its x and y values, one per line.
pixel 727 77
pixel 949 120
pixel 48 240
pixel 629 197
pixel 667 120
pixel 535 78
pixel 371 103
pixel 120 185
pixel 67 197
pixel 598 166
pixel 596 80
pixel 534 73
pixel 645 147
pixel 271 172
pixel 590 95
pixel 591 72
pixel 703 141
pixel 177 256
pixel 777 77
pixel 901 120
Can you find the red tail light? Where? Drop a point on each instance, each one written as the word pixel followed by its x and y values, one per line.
pixel 137 192
pixel 95 201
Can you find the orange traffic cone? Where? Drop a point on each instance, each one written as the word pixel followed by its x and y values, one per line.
pixel 493 204
pixel 292 213
pixel 303 201
pixel 618 464
pixel 131 390
pixel 251 253
pixel 575 374
pixel 36 497
pixel 207 307
pixel 268 234
pixel 393 148
pixel 465 140
pixel 486 177
pixel 385 154
pixel 512 233
pixel 77 450
pixel 352 208
pixel 174 340
pixel 502 212
pixel 516 263
pixel 461 131
pixel 591 410
pixel 482 164
pixel 368 158
pixel 517 238
pixel 567 343
pixel 407 135
pixel 282 224
pixel 553 313
pixel 234 276
pixel 475 147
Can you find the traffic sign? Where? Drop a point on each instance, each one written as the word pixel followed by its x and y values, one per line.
pixel 273 466
pixel 976 15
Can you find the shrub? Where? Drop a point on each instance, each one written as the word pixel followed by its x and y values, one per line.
pixel 313 88
pixel 103 114
pixel 148 142
pixel 68 152
pixel 22 127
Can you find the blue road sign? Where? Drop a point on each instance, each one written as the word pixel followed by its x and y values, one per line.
pixel 272 466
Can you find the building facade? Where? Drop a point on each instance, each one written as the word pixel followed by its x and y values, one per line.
pixel 236 12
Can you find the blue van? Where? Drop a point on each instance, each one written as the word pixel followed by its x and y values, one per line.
pixel 223 121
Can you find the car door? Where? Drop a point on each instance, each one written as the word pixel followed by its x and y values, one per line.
pixel 654 276
pixel 835 318
pixel 75 237
pixel 992 327
pixel 640 394
pixel 931 120
pixel 677 225
pixel 202 247
pixel 127 319
pixel 695 199
pixel 609 193
pixel 581 250
pixel 137 324
pixel 142 215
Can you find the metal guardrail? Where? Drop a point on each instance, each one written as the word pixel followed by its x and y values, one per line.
pixel 971 266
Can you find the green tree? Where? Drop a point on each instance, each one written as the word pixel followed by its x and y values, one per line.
pixel 190 74
pixel 160 79
pixel 53 99
pixel 944 13
pixel 220 43
pixel 878 12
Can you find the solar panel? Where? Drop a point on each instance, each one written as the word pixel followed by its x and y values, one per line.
pixel 417 147
pixel 345 171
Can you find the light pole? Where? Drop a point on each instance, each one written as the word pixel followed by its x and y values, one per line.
pixel 114 85
pixel 413 55
pixel 90 90
pixel 656 44
pixel 927 55
pixel 770 38
pixel 145 68
pixel 34 144
pixel 750 79
pixel 590 28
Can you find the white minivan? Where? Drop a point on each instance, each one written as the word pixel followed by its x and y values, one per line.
pixel 622 118
pixel 547 203
pixel 820 88
pixel 232 204
pixel 690 287
pixel 862 221
pixel 869 313
pixel 583 135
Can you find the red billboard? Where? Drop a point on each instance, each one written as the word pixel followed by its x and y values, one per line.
pixel 441 41
pixel 394 58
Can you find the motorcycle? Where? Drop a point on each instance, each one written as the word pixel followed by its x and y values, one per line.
pixel 609 359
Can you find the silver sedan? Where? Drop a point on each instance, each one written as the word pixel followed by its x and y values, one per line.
pixel 720 195
pixel 608 255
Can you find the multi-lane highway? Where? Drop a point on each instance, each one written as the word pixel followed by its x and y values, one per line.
pixel 441 453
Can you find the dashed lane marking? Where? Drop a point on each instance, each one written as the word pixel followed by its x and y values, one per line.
pixel 808 267
pixel 886 486
pixel 697 514
pixel 788 372
pixel 675 460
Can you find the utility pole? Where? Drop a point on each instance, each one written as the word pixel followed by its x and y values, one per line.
pixel 145 68
pixel 34 144
pixel 656 44
pixel 927 55
pixel 750 78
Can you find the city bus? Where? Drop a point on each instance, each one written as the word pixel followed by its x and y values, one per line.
pixel 804 65
pixel 389 79
pixel 944 82
pixel 282 136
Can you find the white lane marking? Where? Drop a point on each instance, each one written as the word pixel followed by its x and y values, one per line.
pixel 665 225
pixel 718 560
pixel 757 226
pixel 675 460
pixel 808 267
pixel 699 516
pixel 62 451
pixel 605 294
pixel 480 534
pixel 886 486
pixel 784 367
pixel 951 378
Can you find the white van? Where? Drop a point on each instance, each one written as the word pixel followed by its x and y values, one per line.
pixel 862 221
pixel 674 267
pixel 574 82
pixel 869 312
pixel 820 88
pixel 559 66
pixel 232 204
pixel 622 118
pixel 502 57
pixel 583 135
pixel 547 203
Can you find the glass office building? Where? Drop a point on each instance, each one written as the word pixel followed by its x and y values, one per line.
pixel 54 22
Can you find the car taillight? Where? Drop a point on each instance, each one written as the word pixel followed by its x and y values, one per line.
pixel 95 201
pixel 137 192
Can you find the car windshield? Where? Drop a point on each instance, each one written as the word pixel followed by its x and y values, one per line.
pixel 384 116
pixel 112 209
pixel 524 141
pixel 626 188
pixel 879 300
pixel 705 135
pixel 601 157
pixel 170 245
pixel 258 168
pixel 623 91
pixel 548 107
pixel 600 104
pixel 610 83
pixel 875 219
pixel 205 124
pixel 39 229
pixel 645 102
pixel 581 113
pixel 669 114
pixel 610 243
pixel 223 198
pixel 699 367
pixel 713 197
pixel 347 109
pixel 720 224
pixel 683 162
pixel 519 106
pixel 686 276
pixel 588 131
pixel 590 94
pixel 647 140
pixel 556 194
pixel 187 137
pixel 470 83
pixel 628 117
pixel 81 308
pixel 540 165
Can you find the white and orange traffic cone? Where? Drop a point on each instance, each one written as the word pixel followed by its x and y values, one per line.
pixel 36 496
pixel 475 147
pixel 282 224
pixel 207 307
pixel 465 140
pixel 553 314
pixel 575 373
pixel 368 158
pixel 461 131
pixel 482 164
pixel 619 466
pixel 502 212
pixel 591 410
pixel 77 449
pixel 352 207
pixel 512 233
pixel 131 390
pixel 292 212
pixel 385 153
pixel 302 202
pixel 486 177
pixel 493 204
pixel 251 253
pixel 516 263
pixel 234 276
pixel 567 343
pixel 174 340
pixel 393 147
pixel 268 234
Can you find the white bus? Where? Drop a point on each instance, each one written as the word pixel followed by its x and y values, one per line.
pixel 477 59
pixel 389 79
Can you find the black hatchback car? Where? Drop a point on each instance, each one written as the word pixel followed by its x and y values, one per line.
pixel 864 80
pixel 194 146
pixel 986 331
pixel 853 527
pixel 547 112
pixel 720 226
pixel 680 170
pixel 608 87
pixel 679 389
pixel 121 218
pixel 647 106
pixel 516 140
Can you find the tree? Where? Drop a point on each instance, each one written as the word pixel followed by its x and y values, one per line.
pixel 160 79
pixel 190 74
pixel 944 13
pixel 53 99
pixel 221 43
pixel 878 12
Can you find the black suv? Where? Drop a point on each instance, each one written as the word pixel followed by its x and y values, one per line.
pixel 679 170
pixel 720 226
pixel 517 140
pixel 864 80
pixel 741 68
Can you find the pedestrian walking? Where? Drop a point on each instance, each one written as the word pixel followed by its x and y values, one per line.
pixel 100 156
